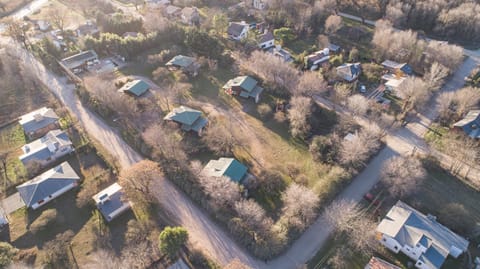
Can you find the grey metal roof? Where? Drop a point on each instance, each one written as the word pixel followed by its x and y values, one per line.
pixel 266 37
pixel 236 28
pixel 110 201
pixel 38 149
pixel 38 119
pixel 410 227
pixel 79 59
pixel 47 183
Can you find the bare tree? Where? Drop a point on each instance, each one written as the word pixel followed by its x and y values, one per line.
pixel 333 24
pixel 221 138
pixel 341 92
pixel 358 104
pixel 165 142
pixel 352 221
pixel 435 76
pixel 466 99
pixel 323 41
pixel 138 180
pixel 105 259
pixel 402 175
pixel 301 109
pixel 445 102
pixel 221 190
pixel 354 152
pixel 310 84
pixel 299 206
pixel 15 30
pixel 414 92
pixel 254 216
pixel 58 18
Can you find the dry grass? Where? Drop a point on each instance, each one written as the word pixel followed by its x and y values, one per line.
pixel 9 6
pixel 73 17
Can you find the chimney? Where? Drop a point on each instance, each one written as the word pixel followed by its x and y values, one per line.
pixel 38 117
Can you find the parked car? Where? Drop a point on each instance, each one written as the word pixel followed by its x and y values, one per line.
pixel 363 88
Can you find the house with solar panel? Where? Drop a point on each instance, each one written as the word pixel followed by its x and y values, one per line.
pixel 226 167
pixel 187 65
pixel 419 236
pixel 189 119
pixel 470 124
pixel 135 87
pixel 48 186
pixel 37 123
pixel 244 86
pixel 111 202
pixel 49 148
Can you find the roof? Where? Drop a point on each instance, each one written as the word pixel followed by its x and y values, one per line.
pixel 44 147
pixel 87 28
pixel 110 201
pixel 171 9
pixel 79 59
pixel 377 263
pixel 189 12
pixel 130 34
pixel 410 227
pixel 247 83
pixel 349 71
pixel 197 125
pixel 394 65
pixel 228 167
pixel 136 87
pixel 394 82
pixel 470 124
pixel 333 47
pixel 183 115
pixel 318 55
pixel 47 183
pixel 236 28
pixel 179 264
pixel 268 36
pixel 38 119
pixel 182 61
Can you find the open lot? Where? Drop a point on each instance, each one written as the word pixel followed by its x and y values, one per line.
pixel 9 6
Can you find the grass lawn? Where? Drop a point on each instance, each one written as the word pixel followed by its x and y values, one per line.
pixel 11 139
pixel 434 136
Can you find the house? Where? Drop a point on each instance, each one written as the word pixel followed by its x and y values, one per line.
pixel 226 167
pixel 190 16
pixel 157 3
pixel 130 34
pixel 317 59
pixel 335 49
pixel 259 4
pixel 42 25
pixel 189 119
pixel 80 61
pixel 172 11
pixel 111 202
pixel 37 123
pixel 400 69
pixel 418 236
pixel 47 149
pixel 238 30
pixel 48 186
pixel 377 263
pixel 89 28
pixel 349 72
pixel 186 64
pixel 266 40
pixel 470 124
pixel 281 53
pixel 244 86
pixel 135 87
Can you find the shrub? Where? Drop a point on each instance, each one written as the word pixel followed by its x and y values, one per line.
pixel 324 148
pixel 171 239
pixel 265 110
pixel 6 254
pixel 45 220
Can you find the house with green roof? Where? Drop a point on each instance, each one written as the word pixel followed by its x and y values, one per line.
pixel 226 167
pixel 188 118
pixel 244 86
pixel 187 64
pixel 135 87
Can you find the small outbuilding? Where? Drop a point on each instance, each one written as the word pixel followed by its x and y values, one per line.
pixel 48 186
pixel 244 86
pixel 78 62
pixel 135 87
pixel 111 202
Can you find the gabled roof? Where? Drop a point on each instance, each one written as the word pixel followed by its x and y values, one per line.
pixel 349 71
pixel 38 119
pixel 183 115
pixel 236 28
pixel 268 36
pixel 470 123
pixel 79 59
pixel 318 55
pixel 333 47
pixel 47 183
pixel 171 9
pixel 180 60
pixel 136 87
pixel 410 227
pixel 228 167
pixel 247 83
pixel 377 263
pixel 110 201
pixel 394 65
pixel 44 147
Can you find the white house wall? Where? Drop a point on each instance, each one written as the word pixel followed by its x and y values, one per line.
pixel 390 243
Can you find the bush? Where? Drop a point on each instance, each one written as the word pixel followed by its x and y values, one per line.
pixel 336 60
pixel 371 72
pixel 45 220
pixel 6 254
pixel 171 239
pixel 265 110
pixel 324 148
